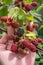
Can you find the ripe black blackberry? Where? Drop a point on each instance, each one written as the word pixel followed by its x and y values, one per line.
pixel 20 32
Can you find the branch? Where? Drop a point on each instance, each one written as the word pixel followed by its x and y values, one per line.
pixel 3 29
pixel 40 49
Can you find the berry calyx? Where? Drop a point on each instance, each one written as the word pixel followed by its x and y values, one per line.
pixel 27 7
pixel 30 28
pixel 34 4
pixel 14 47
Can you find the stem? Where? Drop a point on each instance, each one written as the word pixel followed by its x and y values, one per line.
pixel 39 49
pixel 3 29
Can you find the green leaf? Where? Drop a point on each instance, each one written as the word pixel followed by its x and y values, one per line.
pixel 37 57
pixel 18 14
pixel 13 12
pixel 39 45
pixel 36 15
pixel 39 1
pixel 3 11
pixel 0 63
pixel 40 8
pixel 7 2
pixel 29 17
pixel 41 26
pixel 28 1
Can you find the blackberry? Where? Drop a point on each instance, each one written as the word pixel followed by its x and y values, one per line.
pixel 27 7
pixel 35 25
pixel 34 4
pixel 35 42
pixel 30 28
pixel 4 18
pixel 15 24
pixel 29 45
pixel 20 32
pixel 39 40
pixel 14 48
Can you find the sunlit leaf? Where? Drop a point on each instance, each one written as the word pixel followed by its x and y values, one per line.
pixel 28 1
pixel 7 2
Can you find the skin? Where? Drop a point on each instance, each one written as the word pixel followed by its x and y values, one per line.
pixel 9 58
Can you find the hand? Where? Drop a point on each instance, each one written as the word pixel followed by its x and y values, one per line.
pixel 9 58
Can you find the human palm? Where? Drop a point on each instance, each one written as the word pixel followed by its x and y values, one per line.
pixel 9 58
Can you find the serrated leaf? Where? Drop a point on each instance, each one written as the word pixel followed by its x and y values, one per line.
pixel 7 2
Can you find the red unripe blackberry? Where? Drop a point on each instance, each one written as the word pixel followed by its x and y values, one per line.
pixel 10 19
pixel 35 25
pixel 29 45
pixel 16 1
pixel 39 40
pixel 8 23
pixel 14 47
pixel 34 4
pixel 28 7
pixel 15 24
pixel 4 18
pixel 35 42
pixel 17 5
pixel 30 28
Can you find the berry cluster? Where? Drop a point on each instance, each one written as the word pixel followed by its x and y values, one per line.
pixel 21 43
pixel 25 6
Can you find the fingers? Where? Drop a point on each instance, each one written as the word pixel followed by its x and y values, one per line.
pixel 29 59
pixel 8 58
pixel 4 39
pixel 2 47
pixel 12 59
pixel 10 31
